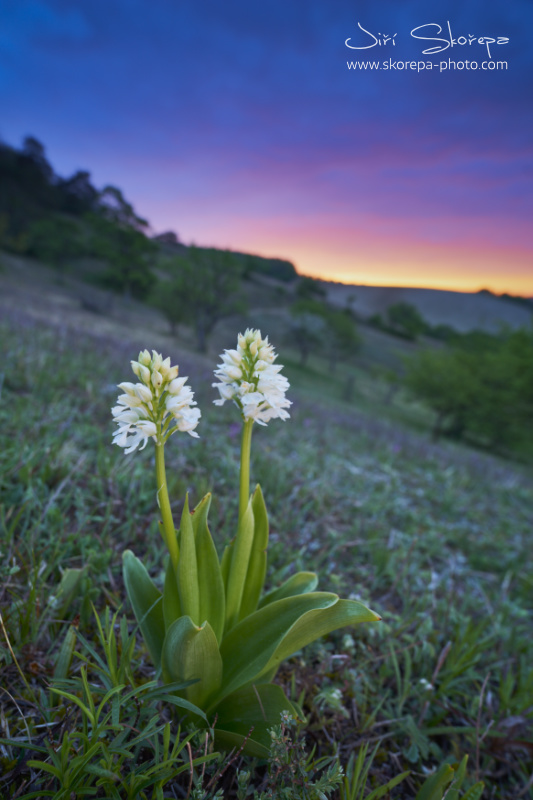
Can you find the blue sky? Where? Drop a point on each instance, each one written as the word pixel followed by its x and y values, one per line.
pixel 239 124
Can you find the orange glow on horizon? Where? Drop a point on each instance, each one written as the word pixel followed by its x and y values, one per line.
pixel 382 252
pixel 467 285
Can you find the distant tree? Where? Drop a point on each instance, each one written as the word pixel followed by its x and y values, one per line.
pixel 55 241
pixel 275 268
pixel 78 195
pixel 503 411
pixel 343 340
pixel 306 330
pixel 114 207
pixel 405 320
pixel 487 393
pixel 34 152
pixel 202 288
pixel 127 252
pixel 168 238
pixel 442 332
pixel 319 327
pixel 310 289
pixel 448 383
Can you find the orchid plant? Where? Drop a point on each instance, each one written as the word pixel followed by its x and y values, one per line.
pixel 212 624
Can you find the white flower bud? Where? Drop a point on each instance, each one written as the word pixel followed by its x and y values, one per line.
pixel 157 360
pixel 145 358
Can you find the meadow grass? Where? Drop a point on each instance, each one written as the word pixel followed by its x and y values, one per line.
pixel 434 537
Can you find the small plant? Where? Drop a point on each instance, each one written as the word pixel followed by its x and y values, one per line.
pixel 212 624
pixel 292 774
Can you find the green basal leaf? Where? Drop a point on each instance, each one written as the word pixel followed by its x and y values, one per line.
pixel 300 583
pixel 187 570
pixel 227 740
pixel 146 601
pixel 255 576
pixel 316 623
pixel 242 547
pixel 249 646
pixel 475 791
pixel 171 598
pixel 253 709
pixel 200 513
pixel 191 653
pixel 64 658
pixel 225 564
pixel 381 791
pixel 212 596
pixel 68 589
pixel 434 786
pixel 458 778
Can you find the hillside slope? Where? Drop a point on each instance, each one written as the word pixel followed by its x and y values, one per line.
pixel 463 311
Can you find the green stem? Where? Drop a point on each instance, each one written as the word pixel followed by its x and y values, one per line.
pixel 168 529
pixel 244 492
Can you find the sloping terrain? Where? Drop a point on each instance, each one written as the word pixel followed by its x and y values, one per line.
pixel 461 310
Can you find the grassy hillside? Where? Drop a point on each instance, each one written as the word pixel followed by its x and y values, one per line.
pixel 434 537
pixel 462 311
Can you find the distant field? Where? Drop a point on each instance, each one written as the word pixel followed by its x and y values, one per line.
pixel 461 310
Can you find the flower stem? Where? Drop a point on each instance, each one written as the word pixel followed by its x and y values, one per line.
pixel 244 492
pixel 168 529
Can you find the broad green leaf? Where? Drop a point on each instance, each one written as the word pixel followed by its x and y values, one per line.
pixel 225 564
pixel 458 778
pixel 253 710
pixel 64 658
pixel 212 596
pixel 316 623
pixel 434 786
pixel 171 597
pixel 68 589
pixel 191 653
pixel 381 791
pixel 146 601
pixel 227 740
pixel 249 646
pixel 200 512
pixel 475 791
pixel 242 547
pixel 42 765
pixel 187 570
pixel 300 583
pixel 255 576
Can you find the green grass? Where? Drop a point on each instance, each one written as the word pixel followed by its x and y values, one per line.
pixel 435 537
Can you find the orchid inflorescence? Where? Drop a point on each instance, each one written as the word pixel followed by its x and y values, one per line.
pixel 249 377
pixel 147 410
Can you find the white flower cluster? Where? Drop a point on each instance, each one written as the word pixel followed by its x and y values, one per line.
pixel 149 409
pixel 249 377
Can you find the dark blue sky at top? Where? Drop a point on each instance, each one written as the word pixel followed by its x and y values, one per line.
pixel 234 116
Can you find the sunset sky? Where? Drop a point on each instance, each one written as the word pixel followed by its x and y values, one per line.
pixel 238 124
